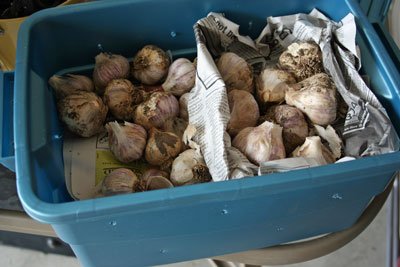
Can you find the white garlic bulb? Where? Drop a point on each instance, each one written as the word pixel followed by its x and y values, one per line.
pixel 83 113
pixel 121 97
pixel 181 77
pixel 189 168
pixel 107 68
pixel 120 181
pixel 150 65
pixel 262 143
pixel 271 85
pixel 70 83
pixel 183 106
pixel 235 72
pixel 295 127
pixel 313 148
pixel 157 109
pixel 244 111
pixel 127 142
pixel 316 97
pixel 162 147
pixel 303 60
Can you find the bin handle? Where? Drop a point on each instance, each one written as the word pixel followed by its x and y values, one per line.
pixel 311 249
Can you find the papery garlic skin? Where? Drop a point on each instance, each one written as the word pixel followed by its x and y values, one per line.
pixel 157 182
pixel 119 181
pixel 83 113
pixel 175 125
pixel 150 65
pixel 162 147
pixel 183 106
pixel 157 109
pixel 261 143
pixel 181 77
pixel 127 142
pixel 244 111
pixel 147 174
pixel 316 97
pixel 69 84
pixel 303 60
pixel 107 68
pixel 313 148
pixel 295 127
pixel 271 85
pixel 121 96
pixel 235 72
pixel 189 168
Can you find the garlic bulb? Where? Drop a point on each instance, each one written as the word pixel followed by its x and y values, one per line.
pixel 183 109
pixel 244 111
pixel 175 125
pixel 313 148
pixel 119 181
pixel 83 113
pixel 127 142
pixel 181 77
pixel 236 72
pixel 70 83
pixel 157 109
pixel 271 85
pixel 162 147
pixel 303 60
pixel 150 65
pixel 121 96
pixel 316 97
pixel 189 168
pixel 295 127
pixel 154 179
pixel 109 67
pixel 262 143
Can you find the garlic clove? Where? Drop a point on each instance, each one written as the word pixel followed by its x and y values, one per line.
pixel 244 111
pixel 271 85
pixel 162 147
pixel 261 143
pixel 181 77
pixel 235 72
pixel 70 83
pixel 157 109
pixel 316 97
pixel 107 68
pixel 127 142
pixel 83 113
pixel 313 148
pixel 120 181
pixel 189 168
pixel 295 127
pixel 183 106
pixel 121 97
pixel 303 60
pixel 150 65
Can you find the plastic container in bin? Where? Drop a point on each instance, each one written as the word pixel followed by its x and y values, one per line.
pixel 194 221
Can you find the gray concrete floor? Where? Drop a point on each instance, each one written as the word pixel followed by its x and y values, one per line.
pixel 367 250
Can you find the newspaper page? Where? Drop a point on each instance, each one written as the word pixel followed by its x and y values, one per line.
pixel 366 130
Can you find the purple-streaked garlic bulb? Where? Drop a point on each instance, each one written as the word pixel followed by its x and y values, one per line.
pixel 70 83
pixel 127 141
pixel 262 143
pixel 162 147
pixel 181 77
pixel 120 181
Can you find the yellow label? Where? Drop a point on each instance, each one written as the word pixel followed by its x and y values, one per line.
pixel 106 163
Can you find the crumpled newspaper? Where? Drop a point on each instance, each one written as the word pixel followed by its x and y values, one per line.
pixel 366 130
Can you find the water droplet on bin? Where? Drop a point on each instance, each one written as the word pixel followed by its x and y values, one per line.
pixel 224 211
pixel 113 223
pixel 100 47
pixel 173 34
pixel 280 229
pixel 250 25
pixel 57 136
pixel 163 251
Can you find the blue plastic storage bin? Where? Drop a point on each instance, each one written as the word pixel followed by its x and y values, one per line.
pixel 188 222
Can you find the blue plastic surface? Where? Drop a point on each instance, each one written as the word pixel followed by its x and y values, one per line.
pixel 188 222
pixel 6 120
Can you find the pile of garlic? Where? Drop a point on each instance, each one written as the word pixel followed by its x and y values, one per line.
pixel 284 111
pixel 143 106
